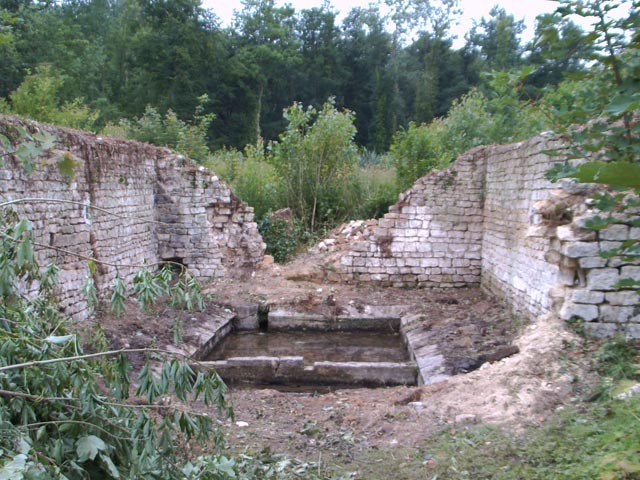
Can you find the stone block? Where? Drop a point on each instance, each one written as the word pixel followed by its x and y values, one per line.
pixel 603 278
pixel 615 232
pixel 631 330
pixel 600 330
pixel 608 245
pixel 580 249
pixel 615 314
pixel 632 272
pixel 623 297
pixel 592 262
pixel 586 312
pixel 587 296
pixel 571 233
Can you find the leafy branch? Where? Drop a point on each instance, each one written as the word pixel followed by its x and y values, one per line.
pixel 65 412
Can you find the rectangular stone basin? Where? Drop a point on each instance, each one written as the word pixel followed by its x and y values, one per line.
pixel 262 370
pixel 339 358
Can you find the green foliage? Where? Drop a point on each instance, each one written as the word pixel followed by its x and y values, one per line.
pixel 251 177
pixel 617 174
pixel 118 297
pixel 607 100
pixel 169 131
pixel 26 147
pixel 416 151
pixel 597 442
pixel 186 292
pixel 375 188
pixel 38 97
pixel 617 359
pixel 606 105
pixel 283 237
pixel 64 414
pixel 315 157
pixel 497 39
pixel 263 466
pixel 476 119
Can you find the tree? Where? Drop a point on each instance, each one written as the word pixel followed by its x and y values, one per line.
pixel 38 97
pixel 366 48
pixel 321 73
pixel 315 155
pixel 269 51
pixel 559 51
pixel 497 39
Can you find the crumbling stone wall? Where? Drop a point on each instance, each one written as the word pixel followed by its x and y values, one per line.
pixel 493 219
pixel 154 206
pixel 587 289
pixel 432 237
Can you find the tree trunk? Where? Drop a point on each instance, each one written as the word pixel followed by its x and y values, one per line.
pixel 259 112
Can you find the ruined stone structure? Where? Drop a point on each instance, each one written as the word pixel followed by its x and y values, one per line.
pixel 158 207
pixel 492 219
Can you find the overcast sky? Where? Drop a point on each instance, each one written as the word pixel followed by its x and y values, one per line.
pixel 472 10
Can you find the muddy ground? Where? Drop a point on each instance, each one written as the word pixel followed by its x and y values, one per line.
pixel 544 369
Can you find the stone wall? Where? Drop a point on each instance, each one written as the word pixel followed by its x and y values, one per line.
pixel 152 206
pixel 587 288
pixel 515 237
pixel 432 237
pixel 493 219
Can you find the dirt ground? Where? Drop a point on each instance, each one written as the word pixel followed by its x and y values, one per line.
pixel 513 392
pixel 544 371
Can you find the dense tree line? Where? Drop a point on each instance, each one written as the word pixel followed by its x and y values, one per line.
pixel 115 58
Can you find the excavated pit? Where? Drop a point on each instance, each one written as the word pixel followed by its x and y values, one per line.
pixel 314 346
pixel 295 349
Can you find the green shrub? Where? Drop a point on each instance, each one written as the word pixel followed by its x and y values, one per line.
pixel 226 163
pixel 250 176
pixel 283 237
pixel 315 157
pixel 376 189
pixel 168 130
pixel 416 151
pixel 617 359
pixel 500 116
pixel 37 97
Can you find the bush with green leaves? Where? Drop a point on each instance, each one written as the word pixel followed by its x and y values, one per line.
pixel 315 157
pixel 375 188
pixel 69 414
pixel 38 97
pixel 500 116
pixel 282 237
pixel 168 130
pixel 251 177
